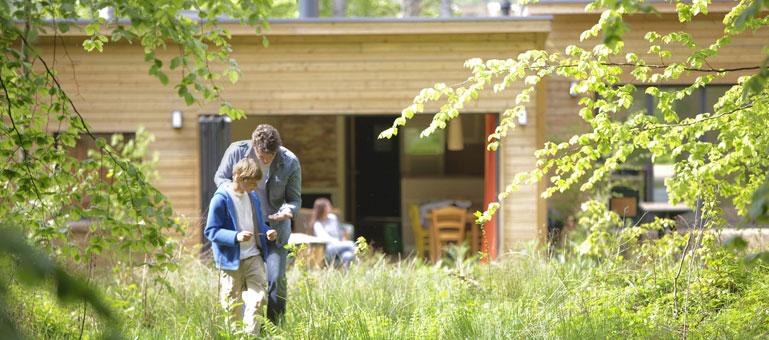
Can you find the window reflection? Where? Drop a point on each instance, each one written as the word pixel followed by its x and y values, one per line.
pixel 700 101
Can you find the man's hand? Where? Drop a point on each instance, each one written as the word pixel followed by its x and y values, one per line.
pixel 244 236
pixel 281 216
pixel 272 234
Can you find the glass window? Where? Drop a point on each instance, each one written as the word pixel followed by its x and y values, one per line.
pixel 430 156
pixel 698 102
pixel 639 106
pixel 712 93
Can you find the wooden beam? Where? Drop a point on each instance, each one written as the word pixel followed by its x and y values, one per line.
pixel 369 27
pixel 578 7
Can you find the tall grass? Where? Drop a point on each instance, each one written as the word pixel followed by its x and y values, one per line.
pixel 522 295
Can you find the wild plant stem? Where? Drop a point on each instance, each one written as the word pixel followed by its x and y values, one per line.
pixel 678 274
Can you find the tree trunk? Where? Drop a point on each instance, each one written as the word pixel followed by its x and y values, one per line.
pixel 412 8
pixel 339 9
pixel 446 8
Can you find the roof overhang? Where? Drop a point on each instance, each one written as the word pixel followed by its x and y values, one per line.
pixel 371 26
pixel 561 7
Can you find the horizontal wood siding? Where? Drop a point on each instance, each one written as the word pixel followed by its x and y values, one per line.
pixel 341 27
pixel 347 74
pixel 562 110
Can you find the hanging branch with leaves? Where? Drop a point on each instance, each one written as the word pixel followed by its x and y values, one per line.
pixel 41 181
pixel 728 168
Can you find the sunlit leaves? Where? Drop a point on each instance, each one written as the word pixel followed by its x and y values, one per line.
pixel 228 110
pixel 757 83
pixel 686 12
pixel 719 153
pixel 484 73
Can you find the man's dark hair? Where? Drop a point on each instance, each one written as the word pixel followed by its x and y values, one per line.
pixel 266 138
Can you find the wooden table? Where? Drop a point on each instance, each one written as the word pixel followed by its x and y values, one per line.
pixel 314 253
pixel 664 209
pixel 475 230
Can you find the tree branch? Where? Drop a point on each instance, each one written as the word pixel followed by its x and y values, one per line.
pixel 21 140
pixel 710 68
pixel 74 108
pixel 657 66
pixel 690 123
pixel 692 69
pixel 110 154
pixel 678 274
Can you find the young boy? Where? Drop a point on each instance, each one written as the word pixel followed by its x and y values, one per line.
pixel 239 237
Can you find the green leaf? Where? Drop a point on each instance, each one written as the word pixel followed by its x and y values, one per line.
pixel 89 45
pixel 754 85
pixel 162 77
pixel 233 76
pixel 188 98
pixel 63 27
pixel 747 14
pixel 736 243
pixel 175 62
pixel 92 28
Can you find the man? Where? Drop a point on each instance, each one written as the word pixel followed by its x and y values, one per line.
pixel 280 193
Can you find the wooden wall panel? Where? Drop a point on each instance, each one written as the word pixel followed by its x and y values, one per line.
pixel 295 75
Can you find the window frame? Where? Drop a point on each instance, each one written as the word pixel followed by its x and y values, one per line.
pixel 650 108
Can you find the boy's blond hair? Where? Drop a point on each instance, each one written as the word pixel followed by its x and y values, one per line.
pixel 246 168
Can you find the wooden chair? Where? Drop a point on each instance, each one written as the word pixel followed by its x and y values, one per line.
pixel 448 226
pixel 421 236
pixel 302 222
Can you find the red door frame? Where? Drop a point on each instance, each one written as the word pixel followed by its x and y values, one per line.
pixel 489 243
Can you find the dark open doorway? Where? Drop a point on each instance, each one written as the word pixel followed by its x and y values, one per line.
pixel 375 182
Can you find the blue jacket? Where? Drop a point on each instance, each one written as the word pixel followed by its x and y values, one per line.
pixel 222 229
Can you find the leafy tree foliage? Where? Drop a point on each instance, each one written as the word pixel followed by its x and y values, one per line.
pixel 720 157
pixel 709 172
pixel 44 188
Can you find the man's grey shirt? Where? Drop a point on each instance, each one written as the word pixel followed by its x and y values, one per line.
pixel 283 187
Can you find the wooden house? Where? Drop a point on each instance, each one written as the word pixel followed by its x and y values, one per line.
pixel 331 85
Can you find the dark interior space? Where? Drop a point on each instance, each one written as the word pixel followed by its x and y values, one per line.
pixel 375 187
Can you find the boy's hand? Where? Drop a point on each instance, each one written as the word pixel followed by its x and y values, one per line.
pixel 272 234
pixel 244 236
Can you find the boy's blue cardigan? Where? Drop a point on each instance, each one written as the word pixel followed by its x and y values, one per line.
pixel 222 229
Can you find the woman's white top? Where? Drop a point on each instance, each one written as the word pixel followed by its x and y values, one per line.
pixel 328 229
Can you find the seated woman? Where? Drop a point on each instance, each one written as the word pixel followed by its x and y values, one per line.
pixel 326 227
